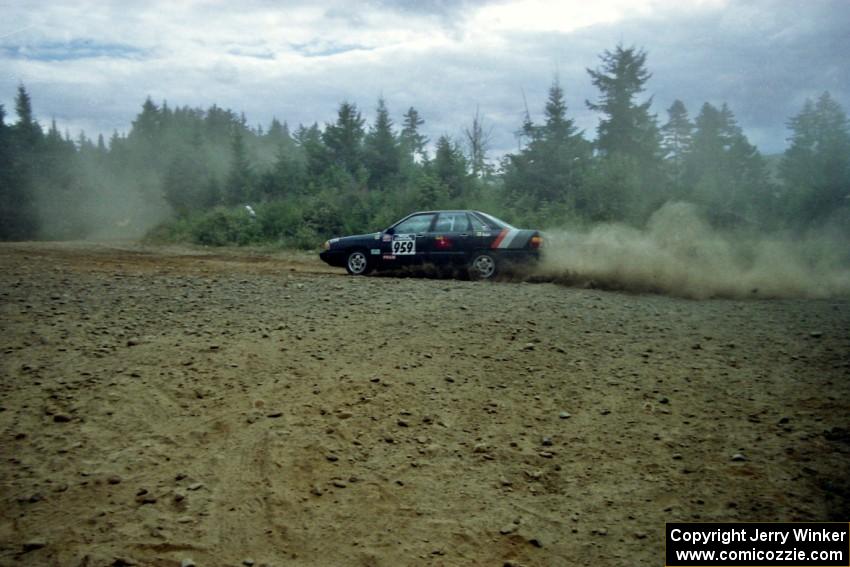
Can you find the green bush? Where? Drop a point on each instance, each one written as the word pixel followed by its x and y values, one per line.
pixel 221 227
pixel 279 219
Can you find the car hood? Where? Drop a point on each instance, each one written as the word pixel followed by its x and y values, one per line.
pixel 371 237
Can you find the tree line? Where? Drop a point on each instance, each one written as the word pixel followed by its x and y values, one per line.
pixel 201 167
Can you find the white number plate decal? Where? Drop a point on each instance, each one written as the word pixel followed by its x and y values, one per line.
pixel 404 245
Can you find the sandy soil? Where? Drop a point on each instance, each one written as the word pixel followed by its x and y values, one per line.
pixel 162 406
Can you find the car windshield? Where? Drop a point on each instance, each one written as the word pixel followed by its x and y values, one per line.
pixel 498 222
pixel 416 223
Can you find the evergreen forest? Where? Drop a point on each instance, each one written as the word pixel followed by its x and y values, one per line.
pixel 186 174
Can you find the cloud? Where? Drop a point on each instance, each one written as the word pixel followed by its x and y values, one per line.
pixel 74 49
pixel 533 16
pixel 95 63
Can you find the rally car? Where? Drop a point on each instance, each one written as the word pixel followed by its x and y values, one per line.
pixel 475 242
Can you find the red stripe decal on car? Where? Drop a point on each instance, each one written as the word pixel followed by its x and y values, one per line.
pixel 499 238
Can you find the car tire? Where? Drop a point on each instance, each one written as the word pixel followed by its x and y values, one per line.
pixel 483 266
pixel 357 263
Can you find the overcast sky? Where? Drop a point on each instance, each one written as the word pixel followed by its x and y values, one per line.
pixel 90 65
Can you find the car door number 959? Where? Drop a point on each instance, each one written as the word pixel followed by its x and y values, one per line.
pixel 404 247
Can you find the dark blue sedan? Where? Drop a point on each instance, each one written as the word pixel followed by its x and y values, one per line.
pixel 474 241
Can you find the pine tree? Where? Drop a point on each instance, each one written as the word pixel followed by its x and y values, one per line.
pixel 278 136
pixel 148 125
pixel 557 128
pixel 478 139
pixel 289 175
pixel 749 171
pixel 551 167
pixel 629 179
pixel 12 225
pixel 20 162
pixel 185 183
pixel 381 150
pixel 431 193
pixel 816 166
pixel 316 154
pixel 59 192
pixel 627 127
pixel 146 157
pixel 27 130
pixel 239 185
pixel 344 138
pixel 450 167
pixel 677 137
pixel 411 139
pixel 724 172
pixel 218 126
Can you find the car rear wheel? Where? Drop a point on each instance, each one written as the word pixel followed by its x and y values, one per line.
pixel 357 263
pixel 483 266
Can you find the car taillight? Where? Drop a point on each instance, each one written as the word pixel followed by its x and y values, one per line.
pixel 536 241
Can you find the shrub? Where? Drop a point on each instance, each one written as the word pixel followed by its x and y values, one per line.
pixel 221 226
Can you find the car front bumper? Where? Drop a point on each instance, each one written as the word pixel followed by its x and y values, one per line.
pixel 334 258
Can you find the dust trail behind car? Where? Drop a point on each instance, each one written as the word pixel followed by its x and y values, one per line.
pixel 679 253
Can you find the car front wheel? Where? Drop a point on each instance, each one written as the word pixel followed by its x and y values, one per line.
pixel 357 263
pixel 483 267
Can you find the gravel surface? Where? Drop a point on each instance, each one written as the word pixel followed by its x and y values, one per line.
pixel 168 406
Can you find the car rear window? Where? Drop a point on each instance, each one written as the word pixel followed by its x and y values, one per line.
pixel 478 224
pixel 493 221
pixel 452 222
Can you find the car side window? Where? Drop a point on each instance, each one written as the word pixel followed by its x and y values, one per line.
pixel 413 225
pixel 452 222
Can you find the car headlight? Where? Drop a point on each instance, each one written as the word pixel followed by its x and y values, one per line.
pixel 327 245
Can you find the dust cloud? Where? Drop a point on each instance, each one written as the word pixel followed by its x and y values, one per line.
pixel 115 211
pixel 679 253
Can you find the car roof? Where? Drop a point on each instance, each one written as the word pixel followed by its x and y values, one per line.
pixel 480 215
pixel 444 211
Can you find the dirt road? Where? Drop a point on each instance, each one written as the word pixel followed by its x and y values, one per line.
pixel 167 406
